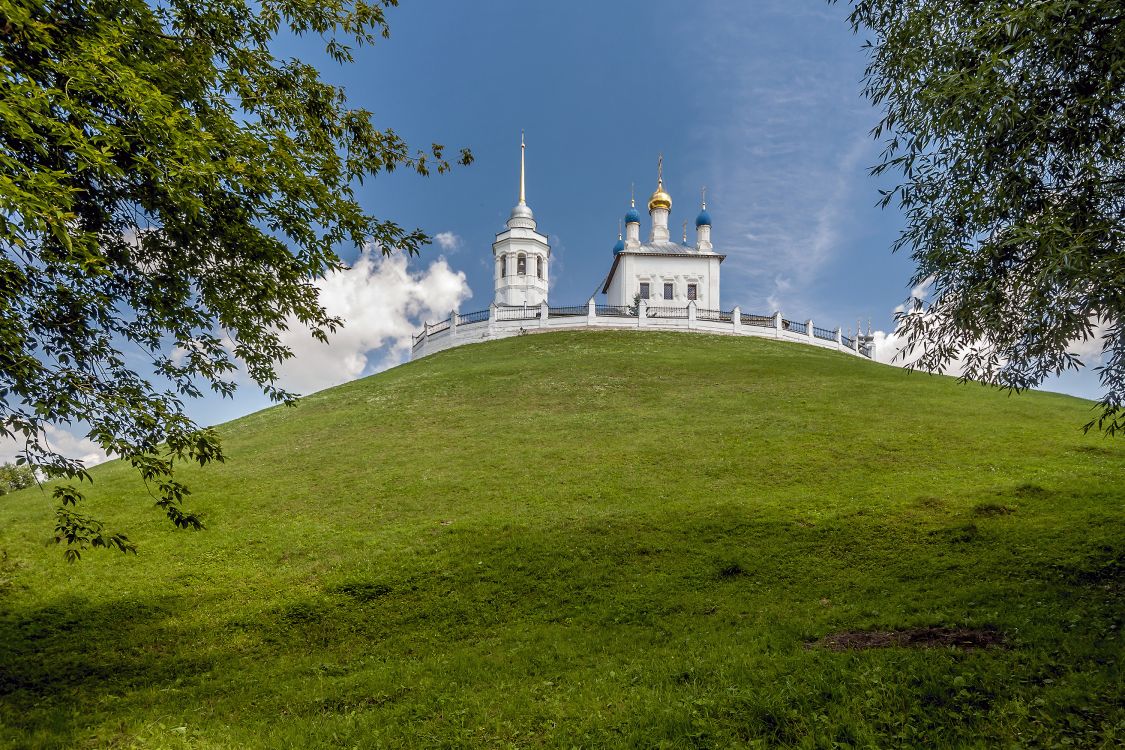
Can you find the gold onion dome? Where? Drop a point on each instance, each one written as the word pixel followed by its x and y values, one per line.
pixel 660 199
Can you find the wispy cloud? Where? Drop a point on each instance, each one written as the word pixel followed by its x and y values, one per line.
pixel 786 157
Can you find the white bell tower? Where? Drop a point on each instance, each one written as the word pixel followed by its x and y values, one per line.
pixel 521 254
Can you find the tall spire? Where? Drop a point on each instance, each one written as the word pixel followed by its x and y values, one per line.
pixel 523 151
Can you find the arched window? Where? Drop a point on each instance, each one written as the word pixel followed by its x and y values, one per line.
pixel 539 266
pixel 521 265
pixel 503 266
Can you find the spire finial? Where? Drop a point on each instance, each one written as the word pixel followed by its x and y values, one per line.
pixel 633 195
pixel 685 231
pixel 660 171
pixel 523 150
pixel 704 197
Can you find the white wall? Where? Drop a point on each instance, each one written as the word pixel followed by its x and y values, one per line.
pixel 521 289
pixel 702 270
pixel 497 329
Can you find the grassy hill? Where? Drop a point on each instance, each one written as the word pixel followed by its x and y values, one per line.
pixel 595 539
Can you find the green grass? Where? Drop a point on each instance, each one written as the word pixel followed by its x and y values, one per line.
pixel 593 540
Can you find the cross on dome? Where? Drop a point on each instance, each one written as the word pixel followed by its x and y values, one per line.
pixel 660 199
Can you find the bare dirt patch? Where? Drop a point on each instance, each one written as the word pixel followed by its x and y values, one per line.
pixel 932 637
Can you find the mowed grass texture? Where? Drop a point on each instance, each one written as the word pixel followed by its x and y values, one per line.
pixel 586 539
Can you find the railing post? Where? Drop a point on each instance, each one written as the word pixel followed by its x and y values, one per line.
pixel 736 319
pixel 642 314
pixel 855 343
pixel 691 314
pixel 591 312
pixel 809 329
pixel 777 324
pixel 839 338
pixel 452 324
pixel 544 313
pixel 491 318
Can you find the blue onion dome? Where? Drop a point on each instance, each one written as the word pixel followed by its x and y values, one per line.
pixel 619 246
pixel 633 217
pixel 704 219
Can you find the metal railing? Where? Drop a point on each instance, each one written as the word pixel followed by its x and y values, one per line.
pixel 568 312
pixel 717 316
pixel 762 321
pixel 824 333
pixel 616 311
pixel 473 317
pixel 668 312
pixel 517 313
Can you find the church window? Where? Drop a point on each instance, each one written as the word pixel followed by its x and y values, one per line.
pixel 521 265
pixel 539 266
pixel 668 293
pixel 503 265
pixel 644 290
pixel 693 291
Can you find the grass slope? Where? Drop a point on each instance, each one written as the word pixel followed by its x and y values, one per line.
pixel 593 539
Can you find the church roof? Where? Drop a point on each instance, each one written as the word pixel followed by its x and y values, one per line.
pixel 657 248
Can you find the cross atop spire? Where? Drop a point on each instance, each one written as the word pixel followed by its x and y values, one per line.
pixel 704 197
pixel 660 171
pixel 633 194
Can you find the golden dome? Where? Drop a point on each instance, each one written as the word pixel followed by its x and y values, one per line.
pixel 660 199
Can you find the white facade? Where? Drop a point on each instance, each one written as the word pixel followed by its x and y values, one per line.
pixel 521 255
pixel 660 271
pixel 663 279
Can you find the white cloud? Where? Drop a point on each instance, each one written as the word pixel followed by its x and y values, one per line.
pixel 1090 350
pixel 62 440
pixel 382 302
pixel 448 241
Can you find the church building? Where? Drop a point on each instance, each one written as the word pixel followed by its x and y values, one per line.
pixel 661 271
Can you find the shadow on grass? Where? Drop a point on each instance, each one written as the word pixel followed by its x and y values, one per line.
pixel 622 588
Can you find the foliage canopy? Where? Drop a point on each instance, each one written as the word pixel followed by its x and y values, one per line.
pixel 15 477
pixel 169 192
pixel 1006 120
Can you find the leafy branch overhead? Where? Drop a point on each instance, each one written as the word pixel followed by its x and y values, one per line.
pixel 170 187
pixel 1006 122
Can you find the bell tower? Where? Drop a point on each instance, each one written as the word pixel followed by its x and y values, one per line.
pixel 521 254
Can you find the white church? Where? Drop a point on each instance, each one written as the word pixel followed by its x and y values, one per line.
pixel 656 284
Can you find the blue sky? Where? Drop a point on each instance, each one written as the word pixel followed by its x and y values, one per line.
pixel 759 101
